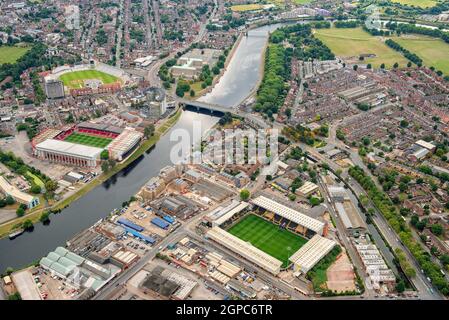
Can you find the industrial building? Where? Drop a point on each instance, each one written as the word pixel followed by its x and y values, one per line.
pixel 68 153
pixel 307 189
pixel 191 64
pixel 18 195
pixel 246 250
pixel 80 272
pixel 375 266
pixel 311 253
pixel 151 190
pixel 168 284
pixel 124 144
pixel 305 225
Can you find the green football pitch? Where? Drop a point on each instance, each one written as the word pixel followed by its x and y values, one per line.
pixel 75 79
pixel 88 140
pixel 268 237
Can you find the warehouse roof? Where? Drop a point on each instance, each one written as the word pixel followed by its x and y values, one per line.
pixel 245 249
pixel 312 252
pixel 69 148
pixel 290 214
pixel 425 144
pixel 14 192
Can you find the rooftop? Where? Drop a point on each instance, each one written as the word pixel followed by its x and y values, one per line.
pixel 69 148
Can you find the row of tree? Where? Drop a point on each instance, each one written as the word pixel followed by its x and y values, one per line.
pixel 394 218
pixel 409 55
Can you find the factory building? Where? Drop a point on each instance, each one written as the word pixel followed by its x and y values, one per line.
pixel 18 195
pixel 67 153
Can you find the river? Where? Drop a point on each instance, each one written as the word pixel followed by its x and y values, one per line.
pixel 240 78
pixel 244 70
pixel 96 204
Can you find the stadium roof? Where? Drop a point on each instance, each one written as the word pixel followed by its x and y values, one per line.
pixel 245 249
pixel 69 148
pixel 125 141
pixel 312 252
pixel 290 214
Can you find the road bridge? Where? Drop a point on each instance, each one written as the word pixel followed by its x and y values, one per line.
pixel 215 108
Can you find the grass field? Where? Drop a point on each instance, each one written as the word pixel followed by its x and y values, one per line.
pixel 11 54
pixel 76 79
pixel 417 3
pixel 278 243
pixel 88 140
pixel 352 42
pixel 434 52
pixel 246 7
pixel 36 179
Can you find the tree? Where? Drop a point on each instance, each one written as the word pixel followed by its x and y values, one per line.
pixel 314 201
pixel 104 155
pixel 382 66
pixel 396 65
pixel 149 131
pixel 400 286
pixel 51 186
pixel 437 229
pixel 244 194
pixel 45 216
pixel 368 66
pixel 20 212
pixel 292 196
pixel 355 67
pixel 15 296
pixel 105 166
pixel 10 200
pixel 36 189
pixel 192 93
pixel 27 224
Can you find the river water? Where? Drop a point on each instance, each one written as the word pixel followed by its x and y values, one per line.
pixel 239 79
pixel 244 70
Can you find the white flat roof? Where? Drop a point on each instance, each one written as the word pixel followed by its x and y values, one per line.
pixel 69 148
pixel 246 250
pixel 290 214
pixel 14 192
pixel 425 144
pixel 312 252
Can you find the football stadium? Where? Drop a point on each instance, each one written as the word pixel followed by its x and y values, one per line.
pixel 270 235
pixel 81 145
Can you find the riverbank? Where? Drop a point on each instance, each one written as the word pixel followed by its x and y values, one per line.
pixel 9 226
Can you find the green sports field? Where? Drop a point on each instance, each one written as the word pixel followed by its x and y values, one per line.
pixel 417 3
pixel 352 42
pixel 10 54
pixel 88 140
pixel 434 52
pixel 268 237
pixel 75 79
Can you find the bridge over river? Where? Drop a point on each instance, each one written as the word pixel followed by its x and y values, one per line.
pixel 215 108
